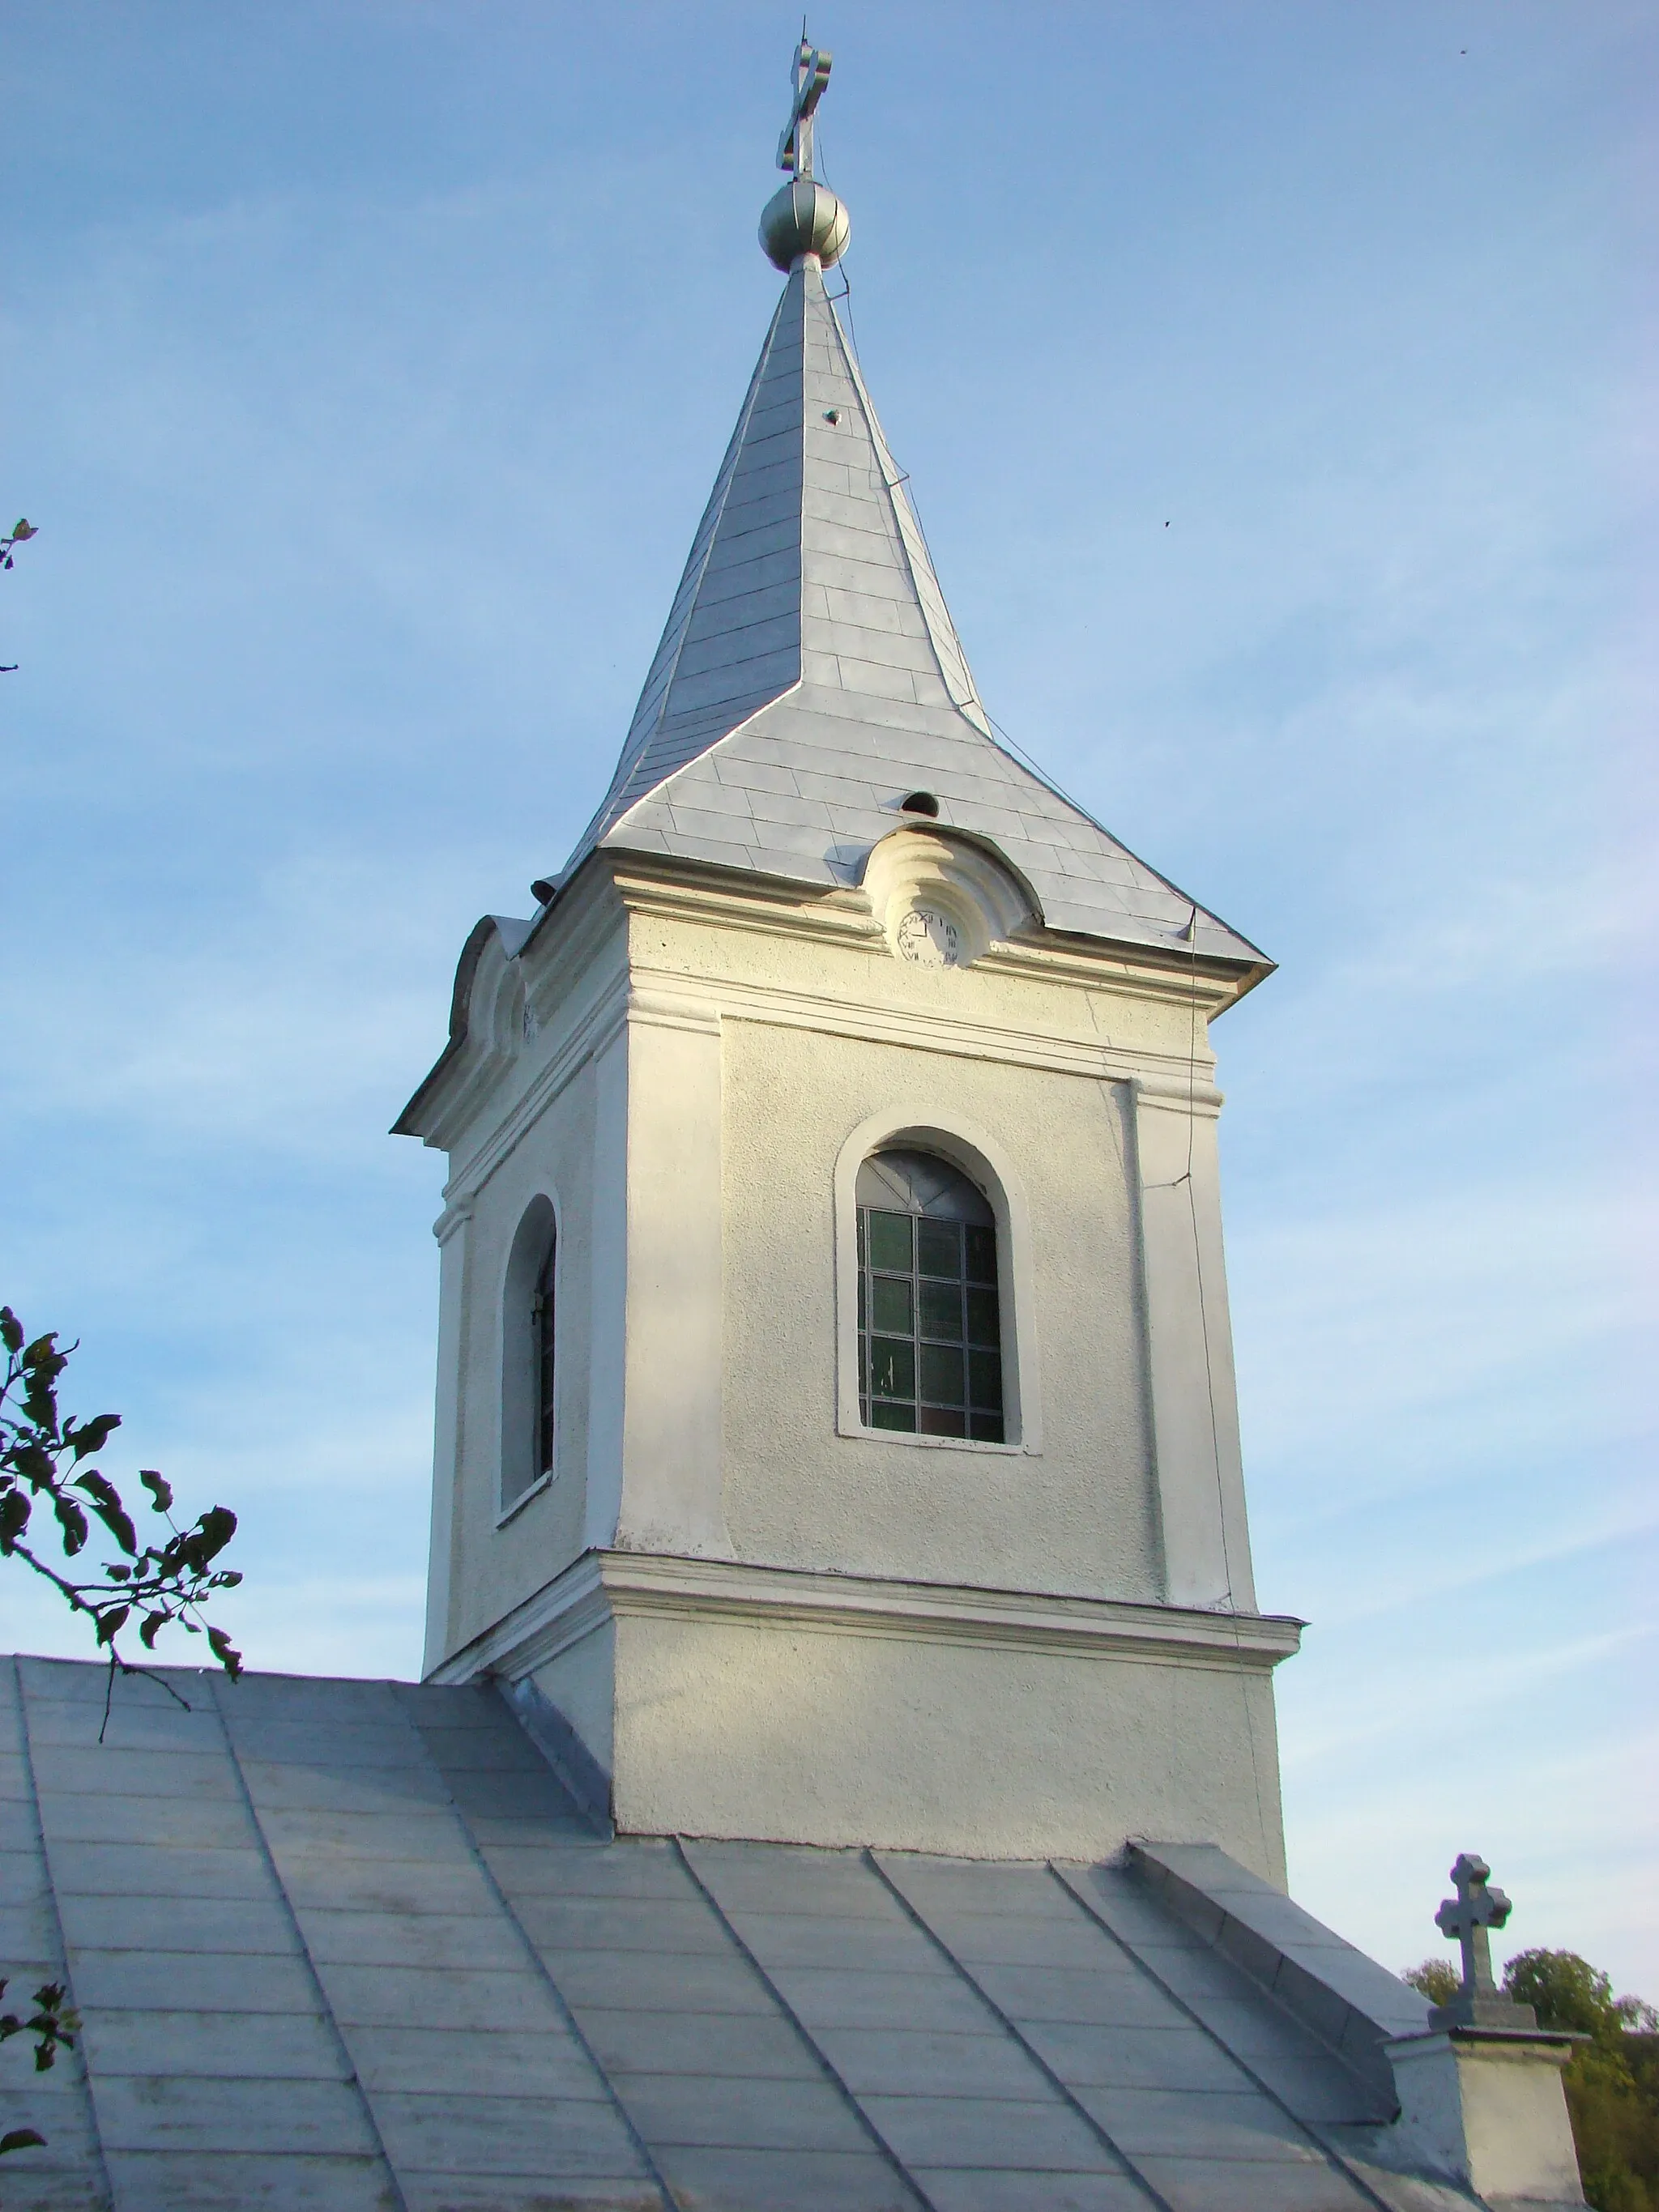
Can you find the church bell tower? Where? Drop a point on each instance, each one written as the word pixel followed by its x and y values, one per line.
pixel 836 1434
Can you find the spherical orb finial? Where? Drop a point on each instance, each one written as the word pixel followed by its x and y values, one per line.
pixel 805 217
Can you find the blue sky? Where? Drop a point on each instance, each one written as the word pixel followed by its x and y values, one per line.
pixel 1269 381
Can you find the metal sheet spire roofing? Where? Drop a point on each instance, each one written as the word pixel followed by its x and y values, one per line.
pixel 809 675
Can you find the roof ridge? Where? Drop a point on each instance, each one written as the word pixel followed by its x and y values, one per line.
pixel 895 480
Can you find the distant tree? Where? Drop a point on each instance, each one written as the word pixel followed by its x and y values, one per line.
pixel 51 1497
pixel 1567 1991
pixel 1437 1979
pixel 1611 2081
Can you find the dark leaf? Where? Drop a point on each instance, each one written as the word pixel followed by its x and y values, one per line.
pixel 91 1436
pixel 11 1330
pixel 74 1522
pixel 154 1623
pixel 40 1405
pixel 34 1462
pixel 160 1492
pixel 225 1652
pixel 208 1537
pixel 106 1498
pixel 111 1621
pixel 43 1363
pixel 14 1518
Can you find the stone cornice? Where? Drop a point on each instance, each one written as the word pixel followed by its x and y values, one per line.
pixel 607 1585
pixel 844 918
pixel 1164 1075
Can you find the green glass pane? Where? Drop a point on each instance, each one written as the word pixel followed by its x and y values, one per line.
pixel 860 1229
pixel 893 1417
pixel 984 1325
pixel 982 1255
pixel 889 1305
pixel 985 1374
pixel 940 1244
pixel 861 1320
pixel 941 1421
pixel 986 1428
pixel 941 1311
pixel 890 1241
pixel 892 1368
pixel 941 1374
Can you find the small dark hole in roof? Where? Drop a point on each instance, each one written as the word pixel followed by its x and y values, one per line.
pixel 542 889
pixel 920 802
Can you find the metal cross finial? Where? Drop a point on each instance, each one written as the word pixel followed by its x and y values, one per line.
pixel 1468 1916
pixel 809 73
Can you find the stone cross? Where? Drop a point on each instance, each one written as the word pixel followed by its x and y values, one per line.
pixel 809 73
pixel 1466 1917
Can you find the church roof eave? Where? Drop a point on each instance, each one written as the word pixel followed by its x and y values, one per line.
pixel 777 799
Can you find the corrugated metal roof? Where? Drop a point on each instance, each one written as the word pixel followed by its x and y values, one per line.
pixel 350 1944
pixel 809 675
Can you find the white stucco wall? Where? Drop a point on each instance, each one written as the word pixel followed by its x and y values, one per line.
pixel 497 1562
pixel 836 1739
pixel 1080 1514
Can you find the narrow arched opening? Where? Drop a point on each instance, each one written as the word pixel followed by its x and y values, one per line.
pixel 530 1366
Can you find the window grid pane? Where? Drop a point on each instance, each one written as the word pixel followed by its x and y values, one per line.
pixel 928 1292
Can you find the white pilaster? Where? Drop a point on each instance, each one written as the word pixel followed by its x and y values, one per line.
pixel 675 1351
pixel 451 1232
pixel 1200 1477
pixel 608 1293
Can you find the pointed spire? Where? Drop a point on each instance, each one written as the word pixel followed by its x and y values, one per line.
pixel 810 676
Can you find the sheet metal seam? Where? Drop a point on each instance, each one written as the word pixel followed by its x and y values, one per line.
pixel 327 2010
pixel 22 1693
pixel 539 1965
pixel 1131 2169
pixel 830 2070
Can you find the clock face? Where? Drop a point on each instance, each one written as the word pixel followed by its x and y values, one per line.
pixel 928 939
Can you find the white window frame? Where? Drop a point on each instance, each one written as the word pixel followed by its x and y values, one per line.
pixel 925 1128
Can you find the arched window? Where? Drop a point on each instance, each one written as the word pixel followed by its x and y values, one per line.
pixel 930 1328
pixel 529 1336
pixel 542 1330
